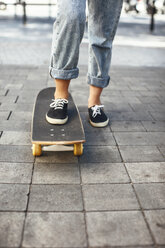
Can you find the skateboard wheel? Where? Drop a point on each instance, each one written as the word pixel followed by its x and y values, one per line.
pixel 78 149
pixel 37 150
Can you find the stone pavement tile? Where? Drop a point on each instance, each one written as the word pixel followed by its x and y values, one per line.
pixel 124 100
pixel 3 92
pixel 16 154
pixel 156 220
pixel 27 98
pixel 162 150
pixel 141 154
pixel 34 84
pixel 8 99
pixel 57 157
pixel 55 198
pixel 117 107
pixel 152 195
pixel 21 116
pixel 130 92
pixel 121 228
pixel 15 172
pixel 109 197
pixel 11 225
pixel 127 126
pixel 103 138
pixel 140 138
pixel 103 173
pixel 89 129
pixel 60 230
pixel 146 172
pixel 158 116
pixel 15 138
pixel 149 99
pixel 4 115
pixel 13 197
pixel 80 99
pixel 157 107
pixel 56 174
pixel 13 86
pixel 103 154
pixel 154 126
pixel 130 116
pixel 15 126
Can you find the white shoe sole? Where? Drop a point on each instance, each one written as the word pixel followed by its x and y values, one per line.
pixel 101 124
pixel 56 121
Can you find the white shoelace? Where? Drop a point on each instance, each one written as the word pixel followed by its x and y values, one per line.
pixel 96 110
pixel 58 103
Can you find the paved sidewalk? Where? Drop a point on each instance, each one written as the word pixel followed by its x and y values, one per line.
pixel 114 194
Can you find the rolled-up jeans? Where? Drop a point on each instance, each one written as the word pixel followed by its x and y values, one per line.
pixel 68 30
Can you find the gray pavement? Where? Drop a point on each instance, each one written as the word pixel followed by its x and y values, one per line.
pixel 111 196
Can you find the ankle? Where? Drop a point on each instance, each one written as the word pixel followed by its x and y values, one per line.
pixel 61 95
pixel 92 102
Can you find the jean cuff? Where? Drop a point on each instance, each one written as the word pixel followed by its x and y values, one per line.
pixel 63 74
pixel 98 82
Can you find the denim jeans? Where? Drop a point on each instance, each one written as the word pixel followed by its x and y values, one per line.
pixel 68 30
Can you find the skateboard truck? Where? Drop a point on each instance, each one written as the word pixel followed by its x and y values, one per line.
pixel 76 148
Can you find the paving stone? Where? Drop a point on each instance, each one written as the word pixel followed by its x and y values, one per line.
pixel 156 220
pixel 60 230
pixel 13 86
pixel 15 138
pixel 101 139
pixel 15 126
pixel 149 99
pixel 8 99
pixel 34 84
pixel 13 197
pixel 103 173
pixel 18 107
pixel 141 154
pixel 89 129
pixel 56 174
pixel 146 172
pixel 11 225
pixel 57 157
pixel 109 197
pixel 140 138
pixel 125 126
pixel 151 195
pixel 15 172
pixel 154 126
pixel 16 154
pixel 159 116
pixel 157 107
pixel 4 115
pixel 55 198
pixel 21 116
pixel 3 92
pixel 130 116
pixel 162 150
pixel 104 229
pixel 97 154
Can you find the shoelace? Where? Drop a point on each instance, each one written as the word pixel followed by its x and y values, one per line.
pixel 96 110
pixel 58 103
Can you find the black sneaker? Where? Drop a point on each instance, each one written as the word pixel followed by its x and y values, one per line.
pixel 97 117
pixel 57 113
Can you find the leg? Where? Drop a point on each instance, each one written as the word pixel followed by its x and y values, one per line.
pixel 102 24
pixel 67 35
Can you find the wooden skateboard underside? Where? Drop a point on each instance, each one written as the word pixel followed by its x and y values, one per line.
pixel 44 133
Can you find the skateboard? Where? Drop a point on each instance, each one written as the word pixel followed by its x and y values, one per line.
pixel 48 137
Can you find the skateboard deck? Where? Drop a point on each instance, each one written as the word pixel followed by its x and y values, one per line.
pixel 49 137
